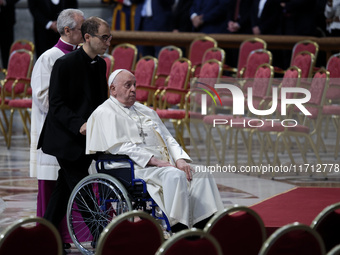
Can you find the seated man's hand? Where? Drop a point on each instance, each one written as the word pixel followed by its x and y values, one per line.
pixel 184 166
pixel 159 163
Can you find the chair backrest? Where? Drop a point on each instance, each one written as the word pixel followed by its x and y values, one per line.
pixel 304 60
pixel 31 235
pixel 291 78
pixel 255 59
pixel 145 74
pixel 262 84
pixel 246 47
pixel 305 45
pixel 109 63
pixel 293 239
pixel 191 241
pixel 333 67
pixel 327 224
pixel 19 71
pixel 134 232
pixel 166 58
pixel 214 53
pixel 197 49
pixel 125 56
pixel 22 44
pixel 239 230
pixel 335 250
pixel 178 79
pixel 210 74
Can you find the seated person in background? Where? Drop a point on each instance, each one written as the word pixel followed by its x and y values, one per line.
pixel 123 126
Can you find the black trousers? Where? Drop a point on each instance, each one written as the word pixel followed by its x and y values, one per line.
pixel 70 173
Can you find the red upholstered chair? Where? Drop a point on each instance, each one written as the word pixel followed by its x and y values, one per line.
pixel 197 49
pixel 173 95
pixel 125 56
pixel 254 60
pixel 109 63
pixel 304 45
pixel 332 109
pixel 212 53
pixel 166 58
pixel 17 80
pixel 191 241
pixel 16 84
pixel 333 67
pixel 134 232
pixel 209 75
pixel 261 85
pixel 291 78
pixel 305 61
pixel 22 44
pixel 145 74
pixel 293 239
pixel 309 126
pixel 246 47
pixel 176 85
pixel 23 106
pixel 239 231
pixel 327 224
pixel 32 235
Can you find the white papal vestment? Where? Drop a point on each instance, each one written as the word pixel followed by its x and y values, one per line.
pixel 139 133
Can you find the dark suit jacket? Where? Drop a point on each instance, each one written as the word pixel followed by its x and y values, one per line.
pixel 161 15
pixel 7 18
pixel 243 17
pixel 270 21
pixel 300 17
pixel 44 11
pixel 214 15
pixel 77 88
pixel 181 19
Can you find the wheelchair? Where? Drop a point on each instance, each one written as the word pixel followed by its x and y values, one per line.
pixel 99 198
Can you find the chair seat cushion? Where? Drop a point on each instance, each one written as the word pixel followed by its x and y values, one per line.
pixel 331 110
pixel 171 114
pixel 20 103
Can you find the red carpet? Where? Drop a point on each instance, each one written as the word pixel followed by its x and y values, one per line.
pixel 300 204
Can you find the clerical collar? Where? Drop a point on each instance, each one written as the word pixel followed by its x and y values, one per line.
pixel 119 103
pixel 65 47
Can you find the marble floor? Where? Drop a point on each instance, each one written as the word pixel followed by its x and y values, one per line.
pixel 18 191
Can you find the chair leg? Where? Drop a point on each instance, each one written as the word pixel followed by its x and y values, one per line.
pixel 10 129
pixel 5 118
pixel 3 131
pixel 25 119
pixel 192 140
pixel 337 125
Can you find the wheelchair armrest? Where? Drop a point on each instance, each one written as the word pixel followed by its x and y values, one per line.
pixel 112 157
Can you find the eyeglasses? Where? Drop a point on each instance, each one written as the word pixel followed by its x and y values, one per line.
pixel 104 38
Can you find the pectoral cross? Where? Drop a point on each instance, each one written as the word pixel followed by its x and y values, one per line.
pixel 142 134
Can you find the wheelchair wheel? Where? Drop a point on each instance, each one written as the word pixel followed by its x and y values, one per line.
pixel 94 203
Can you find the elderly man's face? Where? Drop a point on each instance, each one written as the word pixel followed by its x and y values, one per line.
pixel 124 89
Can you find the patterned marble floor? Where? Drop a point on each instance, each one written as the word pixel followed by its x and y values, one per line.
pixel 18 191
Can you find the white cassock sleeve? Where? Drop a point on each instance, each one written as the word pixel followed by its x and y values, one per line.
pixel 139 155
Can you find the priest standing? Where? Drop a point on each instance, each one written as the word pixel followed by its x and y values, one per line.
pixel 77 88
pixel 123 126
pixel 42 166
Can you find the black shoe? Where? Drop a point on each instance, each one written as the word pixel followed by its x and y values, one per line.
pixel 94 244
pixel 178 227
pixel 66 246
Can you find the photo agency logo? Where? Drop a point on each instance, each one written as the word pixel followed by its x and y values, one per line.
pixel 244 104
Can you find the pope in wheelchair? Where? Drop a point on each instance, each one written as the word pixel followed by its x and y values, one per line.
pixel 125 127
